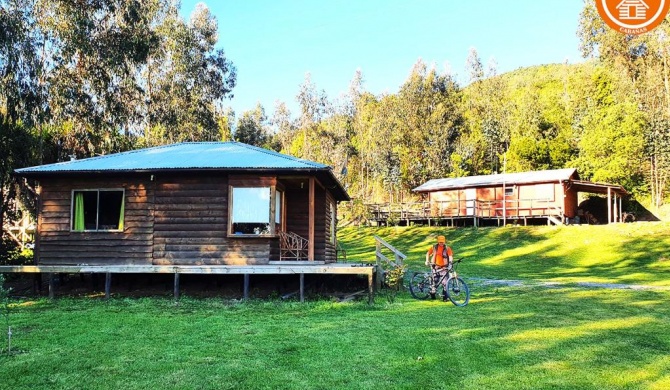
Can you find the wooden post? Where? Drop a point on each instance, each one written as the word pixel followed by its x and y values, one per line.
pixel 302 288
pixel 246 286
pixel 108 284
pixel 52 285
pixel 311 229
pixel 609 205
pixel 37 283
pixel 379 272
pixel 371 291
pixel 176 286
pixel 620 209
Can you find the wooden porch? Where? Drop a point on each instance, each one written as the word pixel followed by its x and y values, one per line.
pixel 274 268
pixel 474 210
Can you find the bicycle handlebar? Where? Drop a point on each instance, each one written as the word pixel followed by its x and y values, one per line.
pixel 453 262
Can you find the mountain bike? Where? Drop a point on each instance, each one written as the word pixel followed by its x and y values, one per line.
pixel 457 290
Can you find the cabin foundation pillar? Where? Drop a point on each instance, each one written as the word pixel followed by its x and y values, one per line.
pixel 246 287
pixel 176 286
pixel 302 288
pixel 37 283
pixel 108 284
pixel 52 286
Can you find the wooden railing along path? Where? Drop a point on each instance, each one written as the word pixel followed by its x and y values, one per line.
pixel 385 263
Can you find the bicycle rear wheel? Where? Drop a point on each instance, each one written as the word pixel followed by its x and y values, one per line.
pixel 419 285
pixel 458 292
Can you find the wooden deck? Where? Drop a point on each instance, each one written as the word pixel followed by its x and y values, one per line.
pixel 463 210
pixel 301 268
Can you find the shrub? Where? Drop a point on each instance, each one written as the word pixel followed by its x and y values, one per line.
pixel 12 254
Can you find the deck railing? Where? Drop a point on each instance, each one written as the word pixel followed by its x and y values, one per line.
pixel 460 208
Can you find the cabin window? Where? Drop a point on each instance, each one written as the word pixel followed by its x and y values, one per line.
pixel 509 191
pixel 251 212
pixel 279 200
pixel 97 210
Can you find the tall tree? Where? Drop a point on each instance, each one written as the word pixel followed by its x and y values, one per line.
pixel 642 60
pixel 186 77
pixel 314 106
pixel 252 127
pixel 285 128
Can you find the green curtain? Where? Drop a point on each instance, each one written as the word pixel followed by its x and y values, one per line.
pixel 123 209
pixel 79 212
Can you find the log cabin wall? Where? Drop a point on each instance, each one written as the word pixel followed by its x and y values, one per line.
pixel 319 223
pixel 297 221
pixel 191 225
pixel 521 200
pixel 297 211
pixel 171 220
pixel 58 245
pixel 330 238
pixel 571 202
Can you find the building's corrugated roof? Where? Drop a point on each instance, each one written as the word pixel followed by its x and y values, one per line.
pixel 188 155
pixel 498 179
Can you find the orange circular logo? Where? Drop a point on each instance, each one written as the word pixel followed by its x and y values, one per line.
pixel 633 16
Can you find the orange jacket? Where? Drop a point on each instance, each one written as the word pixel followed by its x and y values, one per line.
pixel 438 252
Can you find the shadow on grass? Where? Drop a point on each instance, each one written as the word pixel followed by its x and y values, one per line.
pixel 507 338
pixel 539 338
pixel 624 253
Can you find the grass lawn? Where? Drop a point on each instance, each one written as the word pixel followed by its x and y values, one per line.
pixel 634 253
pixel 507 338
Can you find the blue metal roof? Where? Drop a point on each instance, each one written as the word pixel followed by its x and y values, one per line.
pixel 187 155
pixel 553 175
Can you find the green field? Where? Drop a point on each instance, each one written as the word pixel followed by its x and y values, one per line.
pixel 509 337
pixel 635 253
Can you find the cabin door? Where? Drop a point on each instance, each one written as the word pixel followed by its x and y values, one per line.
pixel 470 200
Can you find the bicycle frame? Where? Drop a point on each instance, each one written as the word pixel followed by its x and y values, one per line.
pixel 444 278
pixel 454 287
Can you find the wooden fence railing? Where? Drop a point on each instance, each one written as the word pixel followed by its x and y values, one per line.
pixel 386 263
pixel 460 208
pixel 21 232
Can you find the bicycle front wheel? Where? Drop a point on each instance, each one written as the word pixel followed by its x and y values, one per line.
pixel 419 285
pixel 458 292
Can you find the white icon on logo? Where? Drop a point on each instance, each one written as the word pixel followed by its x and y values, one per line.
pixel 632 10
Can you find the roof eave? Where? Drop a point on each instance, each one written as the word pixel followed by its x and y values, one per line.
pixel 335 186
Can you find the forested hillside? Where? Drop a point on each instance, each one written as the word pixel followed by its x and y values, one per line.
pixel 106 76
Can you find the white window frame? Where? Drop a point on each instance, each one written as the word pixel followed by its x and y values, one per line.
pixel 276 195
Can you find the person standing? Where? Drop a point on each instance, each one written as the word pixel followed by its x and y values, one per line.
pixel 440 258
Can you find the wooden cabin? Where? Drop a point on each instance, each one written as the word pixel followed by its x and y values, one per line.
pixel 551 195
pixel 194 204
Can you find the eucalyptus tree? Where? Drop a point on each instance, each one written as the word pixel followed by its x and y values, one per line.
pixel 20 98
pixel 252 127
pixel 186 77
pixel 642 62
pixel 314 106
pixel 429 121
pixel 284 127
pixel 92 52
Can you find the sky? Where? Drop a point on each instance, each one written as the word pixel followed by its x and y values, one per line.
pixel 275 43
